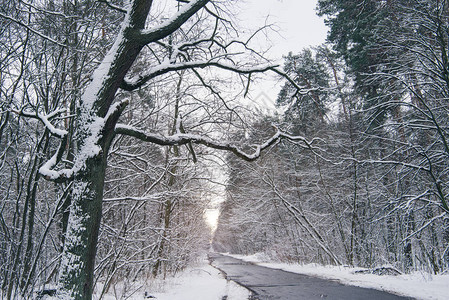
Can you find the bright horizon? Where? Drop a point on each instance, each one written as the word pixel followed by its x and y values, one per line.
pixel 298 27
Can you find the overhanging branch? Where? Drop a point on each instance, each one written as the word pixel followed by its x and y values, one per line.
pixel 114 7
pixel 133 84
pixel 145 37
pixel 184 138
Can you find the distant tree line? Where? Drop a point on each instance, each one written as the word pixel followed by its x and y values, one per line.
pixel 375 190
pixel 110 115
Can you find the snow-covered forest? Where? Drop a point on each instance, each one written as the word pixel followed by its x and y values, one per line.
pixel 374 189
pixel 123 121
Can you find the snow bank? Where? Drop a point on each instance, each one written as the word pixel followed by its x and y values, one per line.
pixel 417 285
pixel 198 282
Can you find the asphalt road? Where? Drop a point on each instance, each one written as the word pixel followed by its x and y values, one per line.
pixel 268 283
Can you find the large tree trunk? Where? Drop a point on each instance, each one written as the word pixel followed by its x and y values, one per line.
pixel 77 266
pixel 96 120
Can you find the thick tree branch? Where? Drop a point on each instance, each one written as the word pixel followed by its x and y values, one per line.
pixel 114 7
pixel 183 139
pixel 46 169
pixel 132 84
pixel 90 148
pixel 144 37
pixel 45 119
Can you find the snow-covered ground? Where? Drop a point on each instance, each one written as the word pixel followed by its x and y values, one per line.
pixel 204 282
pixel 417 285
pixel 200 282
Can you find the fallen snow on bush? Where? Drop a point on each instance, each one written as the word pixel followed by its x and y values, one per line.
pixel 417 285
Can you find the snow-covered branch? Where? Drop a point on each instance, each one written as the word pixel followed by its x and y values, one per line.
pixel 47 168
pixel 132 84
pixel 114 7
pixel 88 150
pixel 28 27
pixel 45 119
pixel 427 224
pixel 391 162
pixel 147 36
pixel 185 138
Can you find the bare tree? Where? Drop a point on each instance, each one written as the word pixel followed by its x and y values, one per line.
pixel 180 42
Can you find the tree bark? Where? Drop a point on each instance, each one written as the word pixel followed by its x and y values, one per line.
pixel 77 266
pixel 78 258
pixel 96 119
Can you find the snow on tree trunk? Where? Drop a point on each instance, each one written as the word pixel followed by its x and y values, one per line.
pixel 77 265
pixel 96 120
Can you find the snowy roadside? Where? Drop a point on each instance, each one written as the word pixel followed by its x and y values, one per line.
pixel 417 285
pixel 197 282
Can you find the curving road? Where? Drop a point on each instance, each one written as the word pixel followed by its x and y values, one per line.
pixel 268 283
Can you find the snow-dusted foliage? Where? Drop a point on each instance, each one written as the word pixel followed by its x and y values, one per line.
pixel 376 191
pixel 151 89
pixel 71 71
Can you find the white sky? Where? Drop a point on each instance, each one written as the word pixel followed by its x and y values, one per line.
pixel 298 27
pixel 297 20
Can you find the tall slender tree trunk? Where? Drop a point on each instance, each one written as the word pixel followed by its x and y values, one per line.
pixel 168 205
